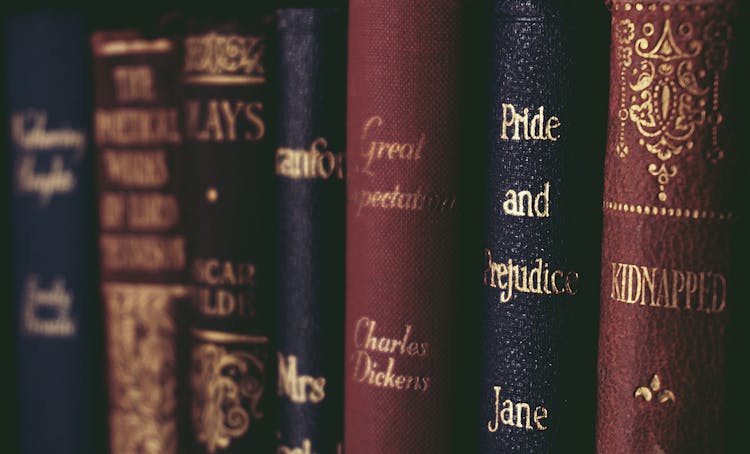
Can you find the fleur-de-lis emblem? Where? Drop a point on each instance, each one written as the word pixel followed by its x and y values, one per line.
pixel 654 389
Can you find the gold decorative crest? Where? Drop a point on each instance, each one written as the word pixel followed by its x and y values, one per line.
pixel 141 338
pixel 227 387
pixel 224 59
pixel 669 88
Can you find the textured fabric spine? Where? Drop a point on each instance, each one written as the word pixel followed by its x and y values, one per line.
pixel 311 220
pixel 666 292
pixel 403 148
pixel 536 290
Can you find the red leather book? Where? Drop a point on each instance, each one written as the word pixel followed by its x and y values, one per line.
pixel 403 150
pixel 668 211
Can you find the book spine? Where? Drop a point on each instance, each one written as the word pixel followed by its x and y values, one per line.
pixel 53 231
pixel 534 359
pixel 404 140
pixel 142 247
pixel 228 160
pixel 311 221
pixel 668 210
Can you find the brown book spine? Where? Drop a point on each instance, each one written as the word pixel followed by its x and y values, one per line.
pixel 142 249
pixel 667 217
pixel 403 149
pixel 227 165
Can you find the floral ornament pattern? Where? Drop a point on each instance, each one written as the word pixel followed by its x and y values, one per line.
pixel 647 393
pixel 227 388
pixel 669 88
pixel 141 337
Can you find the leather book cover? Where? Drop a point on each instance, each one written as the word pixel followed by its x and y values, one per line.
pixel 404 147
pixel 310 224
pixel 227 163
pixel 666 294
pixel 540 259
pixel 142 247
pixel 52 226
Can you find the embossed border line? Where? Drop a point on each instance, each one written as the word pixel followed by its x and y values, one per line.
pixel 173 290
pixel 652 210
pixel 227 338
pixel 653 6
pixel 136 46
pixel 223 79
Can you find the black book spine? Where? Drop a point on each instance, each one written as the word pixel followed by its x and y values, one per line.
pixel 534 357
pixel 311 223
pixel 53 227
pixel 227 168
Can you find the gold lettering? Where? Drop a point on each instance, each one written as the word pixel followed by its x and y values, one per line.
pixel 136 169
pixel 216 59
pixel 221 120
pixel 668 288
pixel 540 127
pixel 133 83
pixel 537 280
pixel 414 201
pixel 616 293
pixel 142 253
pixel 252 113
pixel 152 211
pixel 111 210
pixel 388 150
pixel 136 126
pixel 299 388
pixel 520 418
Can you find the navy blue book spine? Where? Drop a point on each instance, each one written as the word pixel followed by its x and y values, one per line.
pixel 53 233
pixel 537 355
pixel 311 222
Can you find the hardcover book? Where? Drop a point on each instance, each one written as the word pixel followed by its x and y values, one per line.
pixel 142 247
pixel 404 144
pixel 310 222
pixel 53 224
pixel 666 293
pixel 227 165
pixel 540 258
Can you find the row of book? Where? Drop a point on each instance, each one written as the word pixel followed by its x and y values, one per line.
pixel 376 227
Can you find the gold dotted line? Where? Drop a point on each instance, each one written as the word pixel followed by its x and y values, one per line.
pixel 686 213
pixel 639 6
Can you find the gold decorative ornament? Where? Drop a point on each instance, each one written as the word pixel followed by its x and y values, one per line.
pixel 227 387
pixel 654 389
pixel 142 336
pixel 669 89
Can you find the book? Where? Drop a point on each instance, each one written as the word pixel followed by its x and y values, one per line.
pixel 669 208
pixel 404 146
pixel 142 246
pixel 540 256
pixel 52 226
pixel 311 223
pixel 227 166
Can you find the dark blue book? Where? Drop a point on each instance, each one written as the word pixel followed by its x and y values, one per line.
pixel 541 233
pixel 53 233
pixel 311 222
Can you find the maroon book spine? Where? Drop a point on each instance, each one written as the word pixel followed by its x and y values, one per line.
pixel 668 211
pixel 403 149
pixel 141 242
